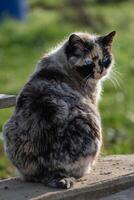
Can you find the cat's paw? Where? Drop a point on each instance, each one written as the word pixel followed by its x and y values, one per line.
pixel 64 183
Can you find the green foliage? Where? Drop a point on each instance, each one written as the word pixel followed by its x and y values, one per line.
pixel 22 44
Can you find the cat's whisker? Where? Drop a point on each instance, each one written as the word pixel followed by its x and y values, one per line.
pixel 84 81
pixel 87 80
pixel 117 82
pixel 112 81
pixel 117 72
pixel 117 77
pixel 115 69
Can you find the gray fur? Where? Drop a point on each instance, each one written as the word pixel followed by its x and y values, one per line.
pixel 54 135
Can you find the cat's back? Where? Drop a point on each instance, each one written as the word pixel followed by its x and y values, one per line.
pixel 49 96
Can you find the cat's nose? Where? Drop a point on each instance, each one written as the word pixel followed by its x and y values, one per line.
pixel 88 62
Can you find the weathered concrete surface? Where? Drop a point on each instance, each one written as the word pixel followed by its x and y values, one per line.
pixel 111 174
pixel 7 100
pixel 123 195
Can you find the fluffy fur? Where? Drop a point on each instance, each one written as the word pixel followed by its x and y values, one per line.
pixel 54 135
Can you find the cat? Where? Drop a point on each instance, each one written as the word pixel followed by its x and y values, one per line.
pixel 54 135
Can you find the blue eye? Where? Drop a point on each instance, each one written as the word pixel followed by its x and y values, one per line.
pixel 88 62
pixel 106 62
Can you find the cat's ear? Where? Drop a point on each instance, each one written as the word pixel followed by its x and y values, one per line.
pixel 107 39
pixel 76 41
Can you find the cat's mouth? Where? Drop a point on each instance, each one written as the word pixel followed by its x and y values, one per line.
pixel 91 71
pixel 102 73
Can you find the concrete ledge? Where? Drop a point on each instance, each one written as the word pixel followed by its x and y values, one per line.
pixel 123 195
pixel 7 100
pixel 110 175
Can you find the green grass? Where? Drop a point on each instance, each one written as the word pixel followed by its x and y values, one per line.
pixel 22 44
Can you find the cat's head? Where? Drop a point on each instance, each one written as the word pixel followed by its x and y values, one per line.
pixel 90 56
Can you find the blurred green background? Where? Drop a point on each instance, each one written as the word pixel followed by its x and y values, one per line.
pixel 49 22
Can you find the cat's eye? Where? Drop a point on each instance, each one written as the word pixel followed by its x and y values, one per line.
pixel 106 62
pixel 87 62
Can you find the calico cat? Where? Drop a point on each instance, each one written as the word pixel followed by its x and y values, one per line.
pixel 54 135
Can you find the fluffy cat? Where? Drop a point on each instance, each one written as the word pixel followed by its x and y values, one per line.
pixel 54 135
